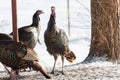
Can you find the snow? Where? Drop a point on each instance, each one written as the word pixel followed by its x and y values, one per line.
pixel 79 39
pixel 100 70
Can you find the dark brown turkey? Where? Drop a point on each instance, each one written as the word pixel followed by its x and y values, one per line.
pixel 17 56
pixel 57 42
pixel 29 35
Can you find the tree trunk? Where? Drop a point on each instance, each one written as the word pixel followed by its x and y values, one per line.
pixel 105 39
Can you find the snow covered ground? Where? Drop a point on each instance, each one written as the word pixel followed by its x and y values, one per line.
pixel 79 39
pixel 99 70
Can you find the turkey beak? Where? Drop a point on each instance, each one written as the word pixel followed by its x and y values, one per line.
pixel 41 12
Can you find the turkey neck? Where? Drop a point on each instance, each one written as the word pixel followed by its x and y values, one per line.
pixel 35 21
pixel 51 23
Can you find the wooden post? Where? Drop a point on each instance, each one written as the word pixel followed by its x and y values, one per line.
pixel 14 21
pixel 68 11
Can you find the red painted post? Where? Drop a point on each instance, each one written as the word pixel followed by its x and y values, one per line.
pixel 14 20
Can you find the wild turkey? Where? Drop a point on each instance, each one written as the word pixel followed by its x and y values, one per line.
pixel 17 56
pixel 57 42
pixel 29 35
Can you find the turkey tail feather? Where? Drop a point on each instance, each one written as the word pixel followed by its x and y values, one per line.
pixel 35 66
pixel 70 56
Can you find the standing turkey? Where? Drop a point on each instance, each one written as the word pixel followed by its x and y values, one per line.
pixel 57 42
pixel 29 35
pixel 18 56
